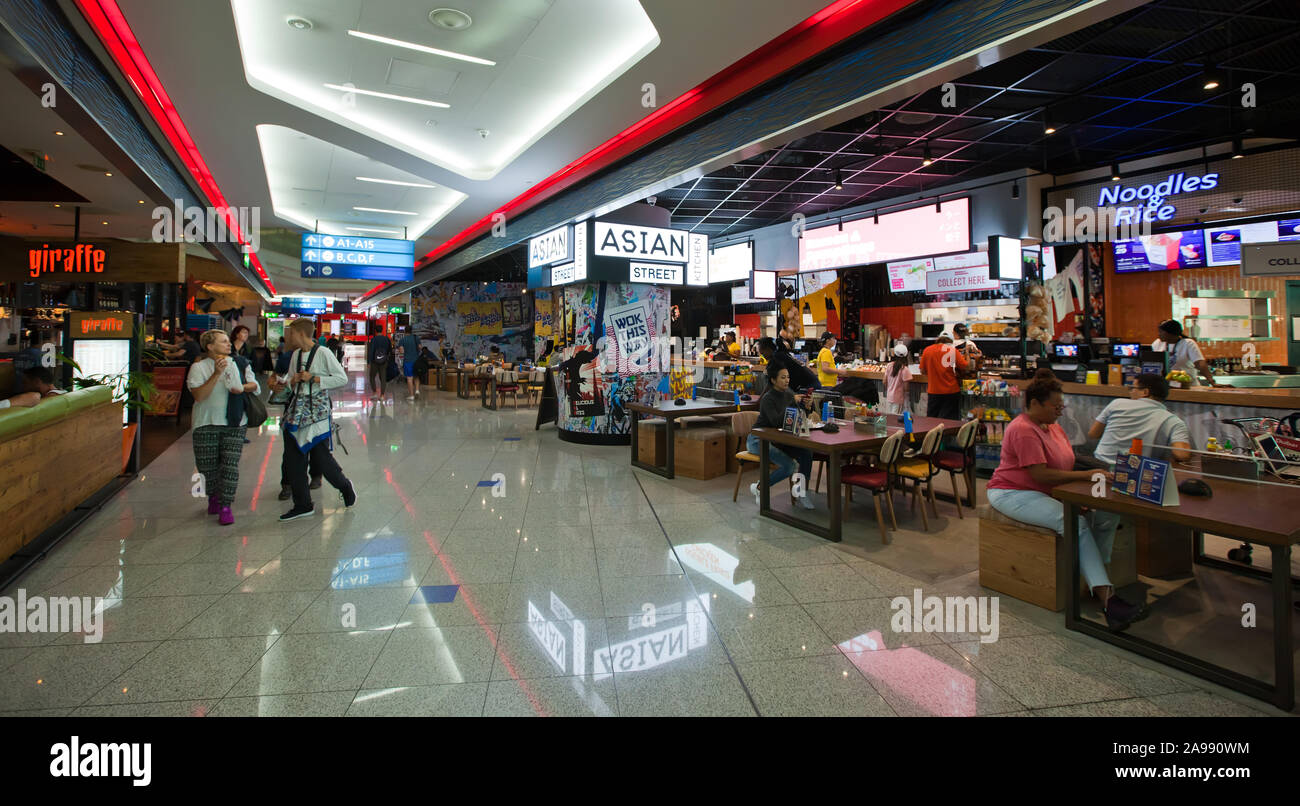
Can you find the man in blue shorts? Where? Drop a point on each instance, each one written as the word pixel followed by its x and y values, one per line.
pixel 410 347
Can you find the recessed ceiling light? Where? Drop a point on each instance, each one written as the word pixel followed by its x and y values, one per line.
pixel 59 133
pixel 395 182
pixel 105 223
pixel 1050 130
pixel 450 18
pixel 374 229
pixel 450 54
pixel 299 23
pixel 390 96
pixel 58 205
pixel 378 210
pixel 108 173
pixel 141 201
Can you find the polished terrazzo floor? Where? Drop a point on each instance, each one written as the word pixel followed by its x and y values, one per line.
pixel 580 588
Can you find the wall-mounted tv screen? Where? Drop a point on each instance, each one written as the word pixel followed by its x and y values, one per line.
pixel 1163 252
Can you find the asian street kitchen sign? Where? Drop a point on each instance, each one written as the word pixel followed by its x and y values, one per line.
pixel 604 251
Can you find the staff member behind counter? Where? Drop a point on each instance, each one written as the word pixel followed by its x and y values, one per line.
pixel 1143 416
pixel 1183 353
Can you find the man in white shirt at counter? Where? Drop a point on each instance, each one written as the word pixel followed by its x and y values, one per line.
pixel 1184 354
pixel 1142 416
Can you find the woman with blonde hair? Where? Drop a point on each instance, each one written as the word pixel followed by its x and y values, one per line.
pixel 218 434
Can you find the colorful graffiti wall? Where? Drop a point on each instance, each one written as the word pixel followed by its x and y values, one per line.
pixel 611 330
pixel 470 318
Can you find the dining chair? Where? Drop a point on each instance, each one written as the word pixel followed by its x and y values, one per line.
pixel 875 480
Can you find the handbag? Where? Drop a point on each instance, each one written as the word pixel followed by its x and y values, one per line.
pixel 247 404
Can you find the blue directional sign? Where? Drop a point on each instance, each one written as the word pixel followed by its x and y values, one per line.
pixel 343 257
pixel 314 240
pixel 304 305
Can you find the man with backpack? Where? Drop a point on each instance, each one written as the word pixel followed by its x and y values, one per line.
pixel 308 428
pixel 379 353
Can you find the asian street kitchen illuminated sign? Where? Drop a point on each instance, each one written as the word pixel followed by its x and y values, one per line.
pixel 603 251
pixel 80 258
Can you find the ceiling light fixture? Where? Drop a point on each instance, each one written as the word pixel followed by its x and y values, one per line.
pixel 453 19
pixel 299 23
pixel 395 182
pixel 839 180
pixel 1015 190
pixel 374 229
pixel 378 210
pixel 389 96
pixel 450 54
pixel 108 173
pixel 58 133
pixel 875 216
pixel 938 205
pixel 1114 172
pixel 1236 148
pixel 1210 79
pixel 927 159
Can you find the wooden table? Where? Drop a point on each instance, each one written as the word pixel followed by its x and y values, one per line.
pixel 667 410
pixel 1261 514
pixel 833 446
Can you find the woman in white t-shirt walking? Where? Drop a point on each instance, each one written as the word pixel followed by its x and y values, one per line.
pixel 217 443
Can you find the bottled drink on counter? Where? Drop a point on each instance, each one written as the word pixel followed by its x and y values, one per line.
pixel 1212 445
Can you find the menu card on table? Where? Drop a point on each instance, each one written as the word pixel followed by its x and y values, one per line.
pixel 1146 479
pixel 791 423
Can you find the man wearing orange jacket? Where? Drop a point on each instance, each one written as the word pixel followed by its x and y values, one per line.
pixel 940 362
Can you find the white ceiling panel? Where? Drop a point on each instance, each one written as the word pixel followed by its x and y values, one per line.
pixel 550 58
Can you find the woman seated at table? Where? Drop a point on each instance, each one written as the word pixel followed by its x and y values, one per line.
pixel 771 414
pixel 1036 456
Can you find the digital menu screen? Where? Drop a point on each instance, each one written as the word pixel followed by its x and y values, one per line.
pixel 1288 229
pixel 908 275
pixel 1163 252
pixel 1223 244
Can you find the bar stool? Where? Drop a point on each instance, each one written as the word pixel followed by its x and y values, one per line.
pixel 742 422
pixel 875 480
pixel 921 468
pixel 961 460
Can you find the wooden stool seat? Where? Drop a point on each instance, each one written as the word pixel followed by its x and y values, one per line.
pixel 1021 560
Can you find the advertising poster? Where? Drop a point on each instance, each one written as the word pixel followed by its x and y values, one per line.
pixel 512 312
pixel 578 373
pixel 787 294
pixel 627 331
pixel 820 296
pixel 168 383
pixel 543 318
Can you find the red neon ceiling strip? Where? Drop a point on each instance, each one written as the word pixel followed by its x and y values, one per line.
pixel 828 27
pixel 112 29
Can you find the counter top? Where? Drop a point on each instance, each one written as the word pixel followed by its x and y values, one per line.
pixel 1251 398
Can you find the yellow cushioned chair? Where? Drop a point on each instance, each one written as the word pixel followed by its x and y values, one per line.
pixel 921 469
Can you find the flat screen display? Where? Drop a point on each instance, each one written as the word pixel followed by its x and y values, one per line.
pixel 908 275
pixel 1049 262
pixel 1223 244
pixel 906 234
pixel 1288 229
pixel 763 284
pixel 1163 252
pixel 1126 350
pixel 728 264
pixel 1005 259
pixel 1067 351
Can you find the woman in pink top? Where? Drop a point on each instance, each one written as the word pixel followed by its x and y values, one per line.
pixel 1036 456
pixel 896 379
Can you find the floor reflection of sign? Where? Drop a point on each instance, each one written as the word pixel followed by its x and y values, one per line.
pixel 927 682
pixel 370 569
pixel 717 565
pixel 547 635
pixel 644 652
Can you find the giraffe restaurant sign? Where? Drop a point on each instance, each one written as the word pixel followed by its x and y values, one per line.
pixel 81 258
